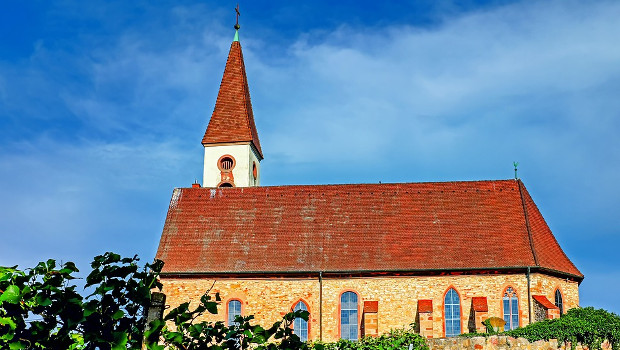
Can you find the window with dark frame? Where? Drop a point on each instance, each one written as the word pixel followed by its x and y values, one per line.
pixel 452 312
pixel 558 301
pixel 300 326
pixel 511 309
pixel 234 310
pixel 348 316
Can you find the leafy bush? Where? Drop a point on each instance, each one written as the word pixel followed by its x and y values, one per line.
pixel 395 339
pixel 189 334
pixel 487 324
pixel 588 326
pixel 41 309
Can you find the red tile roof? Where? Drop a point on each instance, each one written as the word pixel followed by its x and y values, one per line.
pixel 480 304
pixel 232 120
pixel 425 306
pixel 547 250
pixel 445 226
pixel 371 306
pixel 544 301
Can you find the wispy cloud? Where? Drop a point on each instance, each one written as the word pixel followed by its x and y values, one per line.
pixel 534 82
pixel 96 132
pixel 75 201
pixel 522 72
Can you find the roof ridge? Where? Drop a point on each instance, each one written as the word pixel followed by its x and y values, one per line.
pixel 377 184
pixel 527 222
pixel 552 235
pixel 246 96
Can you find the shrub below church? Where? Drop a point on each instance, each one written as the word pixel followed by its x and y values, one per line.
pixel 587 326
pixel 395 339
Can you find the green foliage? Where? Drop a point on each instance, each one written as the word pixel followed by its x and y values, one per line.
pixel 489 327
pixel 41 309
pixel 188 334
pixel 588 326
pixel 395 339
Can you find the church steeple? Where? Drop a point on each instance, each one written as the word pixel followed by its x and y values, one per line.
pixel 232 119
pixel 232 148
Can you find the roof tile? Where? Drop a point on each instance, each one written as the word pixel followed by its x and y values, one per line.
pixel 425 305
pixel 360 227
pixel 548 252
pixel 232 120
pixel 544 301
pixel 371 306
pixel 479 304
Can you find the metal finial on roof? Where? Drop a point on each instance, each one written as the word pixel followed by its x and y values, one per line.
pixel 237 26
pixel 516 164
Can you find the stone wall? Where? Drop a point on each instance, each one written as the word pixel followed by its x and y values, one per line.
pixel 270 298
pixel 500 343
pixel 546 285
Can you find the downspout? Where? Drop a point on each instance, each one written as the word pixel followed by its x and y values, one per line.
pixel 529 296
pixel 529 233
pixel 320 305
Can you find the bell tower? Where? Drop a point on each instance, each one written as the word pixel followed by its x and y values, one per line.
pixel 232 149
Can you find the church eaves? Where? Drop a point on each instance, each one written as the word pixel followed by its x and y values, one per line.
pixel 232 120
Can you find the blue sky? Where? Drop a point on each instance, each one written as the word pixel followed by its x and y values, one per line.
pixel 103 105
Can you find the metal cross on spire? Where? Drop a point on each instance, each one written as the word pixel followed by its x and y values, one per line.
pixel 237 26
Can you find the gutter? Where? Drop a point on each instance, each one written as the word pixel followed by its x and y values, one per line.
pixel 367 273
pixel 529 296
pixel 320 306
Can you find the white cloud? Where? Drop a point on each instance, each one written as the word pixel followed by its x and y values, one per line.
pixel 535 82
pixel 83 198
pixel 516 68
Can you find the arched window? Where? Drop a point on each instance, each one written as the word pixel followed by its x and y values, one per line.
pixel 452 311
pixel 558 301
pixel 226 163
pixel 348 316
pixel 300 326
pixel 511 309
pixel 234 310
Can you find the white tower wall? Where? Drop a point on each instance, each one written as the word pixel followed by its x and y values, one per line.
pixel 243 170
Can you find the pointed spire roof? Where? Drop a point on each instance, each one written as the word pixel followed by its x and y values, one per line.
pixel 232 120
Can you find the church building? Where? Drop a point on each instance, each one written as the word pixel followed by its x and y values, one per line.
pixel 360 258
